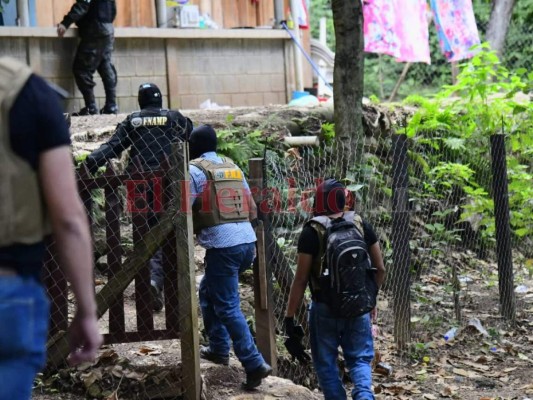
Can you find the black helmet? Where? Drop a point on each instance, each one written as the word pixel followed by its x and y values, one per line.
pixel 329 198
pixel 150 96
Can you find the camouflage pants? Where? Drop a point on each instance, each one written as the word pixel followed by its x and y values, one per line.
pixel 94 54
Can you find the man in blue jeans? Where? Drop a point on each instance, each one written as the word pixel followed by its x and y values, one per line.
pixel 222 210
pixel 327 333
pixel 39 196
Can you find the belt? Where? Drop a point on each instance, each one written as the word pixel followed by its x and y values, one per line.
pixel 7 271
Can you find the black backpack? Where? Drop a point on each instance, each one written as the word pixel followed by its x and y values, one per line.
pixel 347 279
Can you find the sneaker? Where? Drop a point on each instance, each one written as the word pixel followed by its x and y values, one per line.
pixel 109 109
pixel 254 378
pixel 207 354
pixel 157 296
pixel 86 111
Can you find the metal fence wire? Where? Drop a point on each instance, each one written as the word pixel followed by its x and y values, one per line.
pixel 442 270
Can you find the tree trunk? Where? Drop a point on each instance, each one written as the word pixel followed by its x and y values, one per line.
pixel 348 81
pixel 500 18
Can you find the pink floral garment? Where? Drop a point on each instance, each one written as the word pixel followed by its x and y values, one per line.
pixel 456 28
pixel 398 28
pixel 379 26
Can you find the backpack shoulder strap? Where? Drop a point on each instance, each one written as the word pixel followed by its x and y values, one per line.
pixel 358 222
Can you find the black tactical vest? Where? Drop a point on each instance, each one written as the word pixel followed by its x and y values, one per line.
pixel 152 132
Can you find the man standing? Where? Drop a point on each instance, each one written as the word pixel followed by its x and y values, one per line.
pixel 94 19
pixel 150 133
pixel 327 329
pixel 222 210
pixel 39 196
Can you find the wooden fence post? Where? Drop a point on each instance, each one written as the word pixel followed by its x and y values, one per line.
pixel 400 274
pixel 265 325
pixel 188 304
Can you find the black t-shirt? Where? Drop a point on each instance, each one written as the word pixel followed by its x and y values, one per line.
pixel 308 243
pixel 36 124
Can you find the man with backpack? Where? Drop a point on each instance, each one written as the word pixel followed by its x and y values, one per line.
pixel 339 256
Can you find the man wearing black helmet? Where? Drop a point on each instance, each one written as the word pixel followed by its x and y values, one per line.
pixel 94 19
pixel 222 212
pixel 150 133
pixel 332 324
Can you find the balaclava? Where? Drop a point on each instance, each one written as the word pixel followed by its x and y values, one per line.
pixel 202 140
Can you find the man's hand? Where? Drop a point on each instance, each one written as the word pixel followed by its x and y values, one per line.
pixel 374 314
pixel 294 343
pixel 85 340
pixel 61 29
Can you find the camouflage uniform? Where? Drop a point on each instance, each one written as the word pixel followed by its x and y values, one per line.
pixel 94 19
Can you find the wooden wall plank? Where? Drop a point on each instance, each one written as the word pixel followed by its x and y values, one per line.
pixel 231 13
pixel 45 14
pixel 218 13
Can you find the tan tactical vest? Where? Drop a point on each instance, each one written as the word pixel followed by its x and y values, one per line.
pixel 319 224
pixel 224 198
pixel 22 212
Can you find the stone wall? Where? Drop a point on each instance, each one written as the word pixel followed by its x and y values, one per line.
pixel 229 67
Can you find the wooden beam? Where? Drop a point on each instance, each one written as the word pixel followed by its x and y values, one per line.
pixel 188 304
pixel 171 54
pixel 265 323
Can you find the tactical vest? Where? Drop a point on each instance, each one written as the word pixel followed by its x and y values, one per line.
pixel 102 10
pixel 318 264
pixel 152 132
pixel 224 198
pixel 22 211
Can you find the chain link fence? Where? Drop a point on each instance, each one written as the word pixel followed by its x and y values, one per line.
pixel 442 269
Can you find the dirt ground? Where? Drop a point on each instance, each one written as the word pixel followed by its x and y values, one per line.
pixel 487 359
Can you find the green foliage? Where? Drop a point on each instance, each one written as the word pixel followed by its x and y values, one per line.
pixel 455 134
pixel 240 146
pixel 1 6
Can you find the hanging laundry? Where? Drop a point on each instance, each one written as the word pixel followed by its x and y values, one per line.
pixel 412 30
pixel 302 17
pixel 398 28
pixel 379 26
pixel 456 28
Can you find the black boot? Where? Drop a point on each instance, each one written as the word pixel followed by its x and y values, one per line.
pixel 110 102
pixel 91 109
pixel 109 109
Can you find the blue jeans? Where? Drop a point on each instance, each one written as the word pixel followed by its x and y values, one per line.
pixel 354 336
pixel 24 311
pixel 221 304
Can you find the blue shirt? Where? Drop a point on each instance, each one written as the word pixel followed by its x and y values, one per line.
pixel 223 235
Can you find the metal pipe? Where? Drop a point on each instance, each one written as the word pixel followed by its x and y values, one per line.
pixel 298 64
pixel 278 12
pixel 23 13
pixel 161 6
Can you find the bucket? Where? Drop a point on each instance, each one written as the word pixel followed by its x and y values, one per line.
pixel 297 94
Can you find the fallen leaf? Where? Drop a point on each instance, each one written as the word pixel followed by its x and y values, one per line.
pixel 475 365
pixel 510 369
pixel 462 372
pixel 447 391
pixel 113 396
pixel 429 396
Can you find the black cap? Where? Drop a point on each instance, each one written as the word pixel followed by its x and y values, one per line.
pixel 150 96
pixel 202 140
pixel 329 198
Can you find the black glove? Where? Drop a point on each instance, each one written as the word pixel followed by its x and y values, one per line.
pixel 294 344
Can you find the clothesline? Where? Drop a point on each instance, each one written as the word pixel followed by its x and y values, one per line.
pixel 400 28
